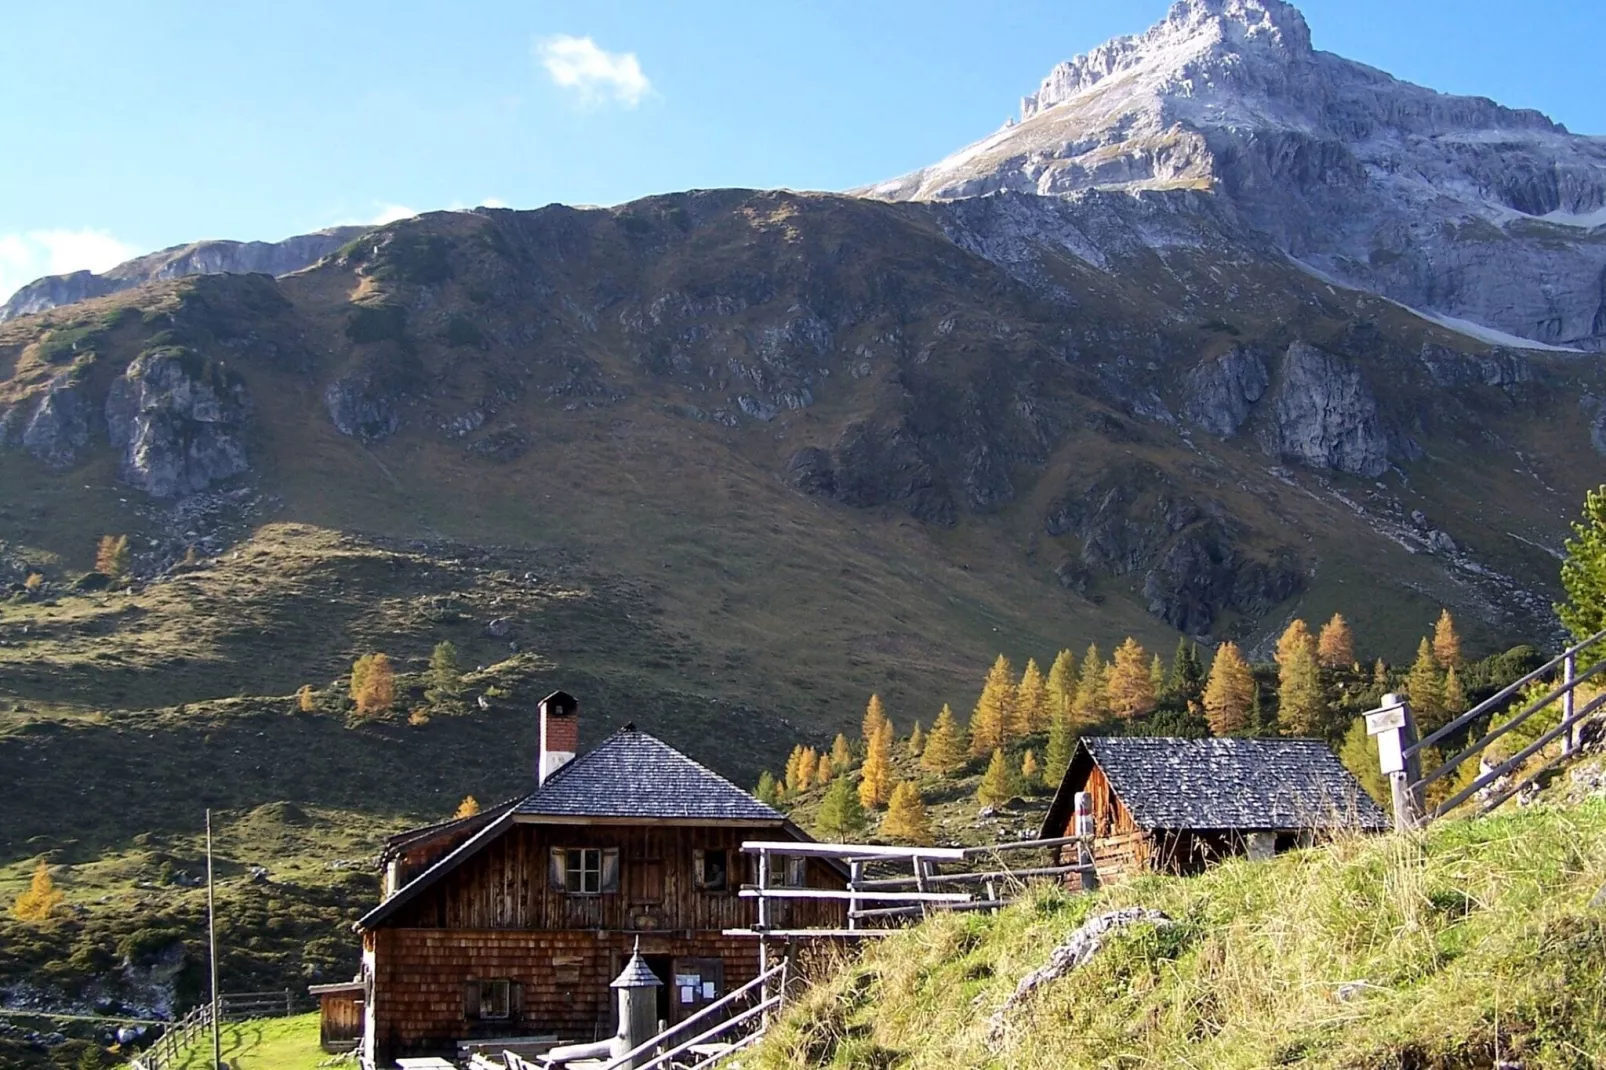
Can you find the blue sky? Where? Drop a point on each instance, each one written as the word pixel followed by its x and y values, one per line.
pixel 130 127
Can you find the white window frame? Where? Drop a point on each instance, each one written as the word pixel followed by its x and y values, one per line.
pixel 583 870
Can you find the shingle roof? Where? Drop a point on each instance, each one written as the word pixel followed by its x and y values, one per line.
pixel 1225 784
pixel 632 774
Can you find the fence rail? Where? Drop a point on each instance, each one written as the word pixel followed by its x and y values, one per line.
pixel 196 1026
pixel 1400 751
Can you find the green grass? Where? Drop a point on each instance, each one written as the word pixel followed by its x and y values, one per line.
pixel 1474 942
pixel 265 1044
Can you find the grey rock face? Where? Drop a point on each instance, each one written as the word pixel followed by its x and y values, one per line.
pixel 1219 393
pixel 1324 416
pixel 197 258
pixel 360 409
pixel 1202 573
pixel 61 423
pixel 178 421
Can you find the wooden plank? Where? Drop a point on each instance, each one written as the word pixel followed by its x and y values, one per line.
pixel 831 893
pixel 808 934
pixel 854 850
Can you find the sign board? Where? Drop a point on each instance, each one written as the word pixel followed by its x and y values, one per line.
pixel 1381 721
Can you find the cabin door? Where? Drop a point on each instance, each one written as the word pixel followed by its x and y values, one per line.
pixel 696 984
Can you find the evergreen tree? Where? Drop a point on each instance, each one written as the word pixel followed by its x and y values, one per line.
pixel 1157 677
pixel 1131 694
pixel 1229 691
pixel 875 715
pixel 1455 696
pixel 445 678
pixel 945 747
pixel 1031 712
pixel 1030 773
pixel 998 783
pixel 1583 573
pixel 841 754
pixel 1061 745
pixel 906 820
pixel 1185 682
pixel 373 685
pixel 1092 702
pixel 840 817
pixel 1446 643
pixel 1424 686
pixel 875 780
pixel 1301 703
pixel 824 771
pixel 767 792
pixel 42 898
pixel 112 557
pixel 1259 723
pixel 467 808
pixel 1061 685
pixel 917 741
pixel 1359 755
pixel 1335 646
pixel 992 721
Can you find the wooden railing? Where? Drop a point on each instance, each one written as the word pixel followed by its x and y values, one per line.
pixel 904 897
pixel 1400 751
pixel 195 1027
pixel 766 992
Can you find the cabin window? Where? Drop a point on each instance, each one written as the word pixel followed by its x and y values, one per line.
pixel 584 870
pixel 711 870
pixel 796 874
pixel 490 1001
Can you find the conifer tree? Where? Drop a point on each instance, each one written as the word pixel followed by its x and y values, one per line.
pixel 1455 696
pixel 1424 686
pixel 841 754
pixel 875 715
pixel 304 700
pixel 373 685
pixel 445 678
pixel 1030 773
pixel 1583 572
pixel 1157 676
pixel 992 721
pixel 1061 745
pixel 917 741
pixel 1061 684
pixel 1131 694
pixel 767 792
pixel 41 899
pixel 1380 676
pixel 998 783
pixel 1185 682
pixel 875 779
pixel 1446 643
pixel 1229 691
pixel 906 820
pixel 1335 646
pixel 945 746
pixel 1359 755
pixel 467 808
pixel 1259 723
pixel 823 772
pixel 112 557
pixel 1092 702
pixel 840 817
pixel 1301 703
pixel 1031 712
pixel 808 764
pixel 794 767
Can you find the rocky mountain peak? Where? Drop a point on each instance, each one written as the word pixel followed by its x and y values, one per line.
pixel 1197 38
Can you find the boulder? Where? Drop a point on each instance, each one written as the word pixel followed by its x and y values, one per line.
pixel 1218 394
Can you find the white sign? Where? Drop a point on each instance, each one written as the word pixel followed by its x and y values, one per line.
pixel 1383 720
pixel 708 990
pixel 687 993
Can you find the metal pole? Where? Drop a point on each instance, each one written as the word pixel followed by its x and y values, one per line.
pixel 211 941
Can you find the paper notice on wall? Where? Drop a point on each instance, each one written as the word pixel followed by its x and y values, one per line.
pixel 708 990
pixel 689 980
pixel 688 994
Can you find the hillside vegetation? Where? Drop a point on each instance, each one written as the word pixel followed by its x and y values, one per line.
pixel 1479 943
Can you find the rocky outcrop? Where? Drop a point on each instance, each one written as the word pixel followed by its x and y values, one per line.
pixel 62 422
pixel 196 258
pixel 178 422
pixel 361 408
pixel 1202 573
pixel 873 466
pixel 1219 393
pixel 1325 416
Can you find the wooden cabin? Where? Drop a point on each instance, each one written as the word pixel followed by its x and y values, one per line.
pixel 512 923
pixel 340 1015
pixel 1163 805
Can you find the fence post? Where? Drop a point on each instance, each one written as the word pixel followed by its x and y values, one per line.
pixel 1087 876
pixel 1395 730
pixel 1569 670
pixel 855 873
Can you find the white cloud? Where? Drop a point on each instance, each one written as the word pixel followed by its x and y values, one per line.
pixel 577 63
pixel 390 213
pixel 30 254
pixel 493 202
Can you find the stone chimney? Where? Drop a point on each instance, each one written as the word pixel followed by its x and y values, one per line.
pixel 560 734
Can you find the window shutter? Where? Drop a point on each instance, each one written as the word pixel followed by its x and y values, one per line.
pixel 558 871
pixel 471 1001
pixel 610 869
pixel 697 879
pixel 515 1001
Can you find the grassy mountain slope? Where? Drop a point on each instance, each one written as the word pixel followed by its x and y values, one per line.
pixel 1474 945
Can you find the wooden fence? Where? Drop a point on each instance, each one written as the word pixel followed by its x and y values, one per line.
pixel 899 898
pixel 196 1027
pixel 1400 751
